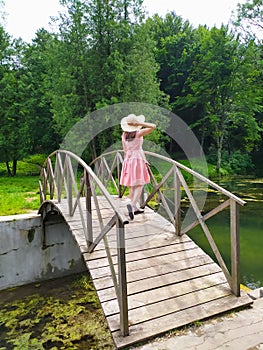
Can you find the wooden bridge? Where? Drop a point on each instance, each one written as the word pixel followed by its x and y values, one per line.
pixel 150 277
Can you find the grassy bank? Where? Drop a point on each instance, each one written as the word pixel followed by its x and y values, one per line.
pixel 18 195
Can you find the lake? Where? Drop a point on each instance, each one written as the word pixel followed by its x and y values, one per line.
pixel 251 229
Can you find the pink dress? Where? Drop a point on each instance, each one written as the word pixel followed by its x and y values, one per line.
pixel 134 168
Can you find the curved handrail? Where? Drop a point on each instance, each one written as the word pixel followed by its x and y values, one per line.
pixel 94 177
pixel 199 177
pixel 183 167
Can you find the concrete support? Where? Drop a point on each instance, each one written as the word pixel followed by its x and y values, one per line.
pixel 30 253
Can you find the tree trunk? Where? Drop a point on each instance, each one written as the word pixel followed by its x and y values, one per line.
pixel 219 153
pixel 8 168
pixel 14 167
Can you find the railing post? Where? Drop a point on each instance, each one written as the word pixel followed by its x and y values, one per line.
pixel 44 184
pixel 177 203
pixel 235 247
pixel 51 178
pixel 41 192
pixel 88 208
pixel 102 170
pixel 69 185
pixel 58 178
pixel 122 279
pixel 119 175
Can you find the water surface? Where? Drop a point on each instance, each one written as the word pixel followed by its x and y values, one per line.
pixel 251 229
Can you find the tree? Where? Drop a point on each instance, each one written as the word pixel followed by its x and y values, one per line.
pixel 249 19
pixel 248 23
pixel 26 120
pixel 14 135
pixel 102 55
pixel 43 138
pixel 223 81
pixel 174 48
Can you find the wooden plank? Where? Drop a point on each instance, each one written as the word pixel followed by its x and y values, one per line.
pixel 211 272
pixel 153 228
pixel 146 237
pixel 101 277
pixel 141 309
pixel 143 253
pixel 147 249
pixel 157 326
pixel 168 306
pixel 151 271
pixel 132 232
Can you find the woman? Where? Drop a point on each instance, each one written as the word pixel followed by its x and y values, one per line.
pixel 134 172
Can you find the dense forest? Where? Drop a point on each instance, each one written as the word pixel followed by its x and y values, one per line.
pixel 105 52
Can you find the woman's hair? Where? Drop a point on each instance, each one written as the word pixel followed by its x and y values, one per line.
pixel 129 136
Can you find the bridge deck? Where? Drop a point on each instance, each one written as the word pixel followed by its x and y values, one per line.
pixel 171 281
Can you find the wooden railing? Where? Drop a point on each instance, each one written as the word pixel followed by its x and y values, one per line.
pixel 60 180
pixel 108 167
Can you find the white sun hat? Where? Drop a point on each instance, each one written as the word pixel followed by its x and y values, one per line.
pixel 132 118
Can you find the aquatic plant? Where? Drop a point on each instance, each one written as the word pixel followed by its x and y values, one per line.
pixel 66 317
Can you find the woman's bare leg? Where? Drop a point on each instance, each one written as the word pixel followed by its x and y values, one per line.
pixel 131 192
pixel 136 193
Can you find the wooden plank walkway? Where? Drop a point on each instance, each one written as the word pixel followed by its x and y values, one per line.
pixel 171 281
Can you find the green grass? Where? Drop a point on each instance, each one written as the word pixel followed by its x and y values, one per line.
pixel 18 195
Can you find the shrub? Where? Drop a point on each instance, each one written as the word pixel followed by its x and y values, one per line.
pixel 237 163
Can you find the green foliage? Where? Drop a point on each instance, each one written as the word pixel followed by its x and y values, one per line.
pixel 211 168
pixel 223 82
pixel 42 136
pixel 104 57
pixel 30 165
pixel 248 19
pixel 237 163
pixel 212 80
pixel 174 49
pixel 26 125
pixel 13 113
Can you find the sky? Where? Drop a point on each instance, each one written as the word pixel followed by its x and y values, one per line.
pixel 25 17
